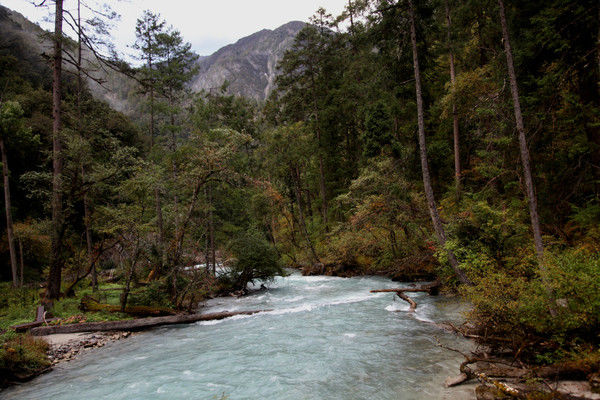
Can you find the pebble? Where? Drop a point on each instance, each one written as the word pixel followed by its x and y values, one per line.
pixel 67 352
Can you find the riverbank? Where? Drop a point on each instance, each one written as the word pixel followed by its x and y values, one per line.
pixel 56 349
pixel 370 340
pixel 503 378
pixel 326 336
pixel 67 346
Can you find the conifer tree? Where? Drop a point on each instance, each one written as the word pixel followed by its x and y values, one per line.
pixel 435 217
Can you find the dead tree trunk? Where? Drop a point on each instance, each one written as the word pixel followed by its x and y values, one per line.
pixel 56 262
pixel 136 324
pixel 431 289
pixel 435 217
pixel 530 188
pixel 9 221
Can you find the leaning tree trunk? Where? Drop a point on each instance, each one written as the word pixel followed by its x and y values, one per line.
pixel 435 217
pixel 56 262
pixel 529 185
pixel 455 130
pixel 9 221
pixel 211 231
pixel 88 235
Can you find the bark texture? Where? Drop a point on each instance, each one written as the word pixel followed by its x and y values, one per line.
pixel 435 217
pixel 136 324
pixel 9 221
pixel 56 262
pixel 525 160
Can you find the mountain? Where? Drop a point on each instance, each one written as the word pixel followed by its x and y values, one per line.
pixel 249 65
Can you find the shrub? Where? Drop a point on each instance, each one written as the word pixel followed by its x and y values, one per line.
pixel 255 259
pixel 21 356
pixel 517 307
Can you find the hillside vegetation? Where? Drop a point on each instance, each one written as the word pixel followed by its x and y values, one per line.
pixel 443 140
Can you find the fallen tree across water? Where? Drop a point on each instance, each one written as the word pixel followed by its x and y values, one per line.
pixel 136 324
pixel 431 289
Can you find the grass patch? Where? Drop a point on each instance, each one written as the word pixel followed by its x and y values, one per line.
pixel 21 357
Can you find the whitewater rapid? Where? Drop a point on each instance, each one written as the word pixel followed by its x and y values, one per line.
pixel 324 338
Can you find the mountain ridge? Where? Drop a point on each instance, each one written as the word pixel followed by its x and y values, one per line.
pixel 249 65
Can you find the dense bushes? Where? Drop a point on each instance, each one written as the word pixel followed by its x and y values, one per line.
pixel 21 356
pixel 517 307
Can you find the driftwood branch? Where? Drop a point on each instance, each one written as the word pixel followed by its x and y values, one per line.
pixel 136 324
pixel 431 289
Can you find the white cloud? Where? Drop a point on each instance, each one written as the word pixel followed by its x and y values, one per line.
pixel 207 24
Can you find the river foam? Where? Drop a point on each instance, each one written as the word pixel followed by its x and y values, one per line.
pixel 324 338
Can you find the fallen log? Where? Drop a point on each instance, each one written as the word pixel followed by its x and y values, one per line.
pixel 39 321
pixel 431 289
pixel 90 304
pixel 136 324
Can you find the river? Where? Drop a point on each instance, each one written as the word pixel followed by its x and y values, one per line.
pixel 326 338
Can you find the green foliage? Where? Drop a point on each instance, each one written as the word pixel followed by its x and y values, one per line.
pixel 378 126
pixel 517 306
pixel 17 305
pixel 154 294
pixel 22 356
pixel 255 260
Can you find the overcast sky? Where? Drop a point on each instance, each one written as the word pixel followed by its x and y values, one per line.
pixel 206 24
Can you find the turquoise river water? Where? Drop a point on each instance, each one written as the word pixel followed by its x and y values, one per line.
pixel 326 338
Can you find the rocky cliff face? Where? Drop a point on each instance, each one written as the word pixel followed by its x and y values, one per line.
pixel 249 65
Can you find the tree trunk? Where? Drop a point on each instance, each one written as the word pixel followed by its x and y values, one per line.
pixel 136 324
pixel 535 223
pixel 56 262
pixel 22 282
pixel 296 178
pixel 207 236
pixel 322 187
pixel 324 206
pixel 455 130
pixel 437 223
pixel 79 80
pixel 211 231
pixel 127 289
pixel 598 46
pixel 88 235
pixel 149 43
pixel 9 221
pixel 161 231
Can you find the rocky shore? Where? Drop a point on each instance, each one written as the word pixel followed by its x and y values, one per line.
pixel 65 347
